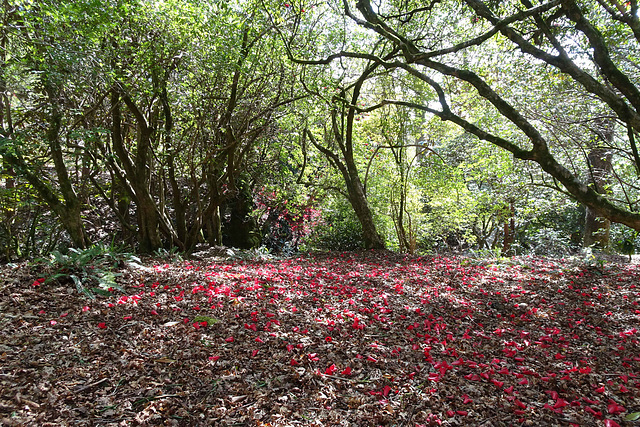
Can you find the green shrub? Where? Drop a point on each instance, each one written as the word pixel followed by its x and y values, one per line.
pixel 550 242
pixel 339 231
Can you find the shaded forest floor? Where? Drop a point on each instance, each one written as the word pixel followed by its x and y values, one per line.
pixel 354 339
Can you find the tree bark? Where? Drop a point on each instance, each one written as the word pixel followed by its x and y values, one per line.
pixel 70 212
pixel 358 200
pixel 146 212
pixel 214 226
pixel 509 229
pixel 597 229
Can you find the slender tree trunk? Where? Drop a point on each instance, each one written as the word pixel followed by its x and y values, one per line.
pixel 214 225
pixel 509 229
pixel 179 204
pixel 7 212
pixel 358 200
pixel 403 241
pixel 70 212
pixel 355 193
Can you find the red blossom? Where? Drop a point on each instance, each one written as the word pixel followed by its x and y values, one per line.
pixel 520 404
pixel 497 383
pixel 593 412
pixel 560 403
pixel 614 408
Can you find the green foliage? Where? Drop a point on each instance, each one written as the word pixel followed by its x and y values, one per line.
pixel 633 416
pixel 624 239
pixel 484 254
pixel 226 111
pixel 338 231
pixel 549 242
pixel 92 270
pixel 550 226
pixel 201 318
pixel 169 255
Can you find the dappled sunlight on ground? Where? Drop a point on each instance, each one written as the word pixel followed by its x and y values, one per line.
pixel 330 339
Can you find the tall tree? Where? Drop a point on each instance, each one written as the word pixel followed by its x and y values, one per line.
pixel 341 136
pixel 43 56
pixel 558 34
pixel 305 33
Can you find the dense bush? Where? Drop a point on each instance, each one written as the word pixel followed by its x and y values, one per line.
pixel 339 231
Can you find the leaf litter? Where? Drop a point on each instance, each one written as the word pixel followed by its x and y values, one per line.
pixel 366 339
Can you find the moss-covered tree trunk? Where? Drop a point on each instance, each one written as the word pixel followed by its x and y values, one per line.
pixel 135 174
pixel 597 228
pixel 509 227
pixel 360 204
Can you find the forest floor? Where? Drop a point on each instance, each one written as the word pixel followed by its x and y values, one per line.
pixel 353 339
